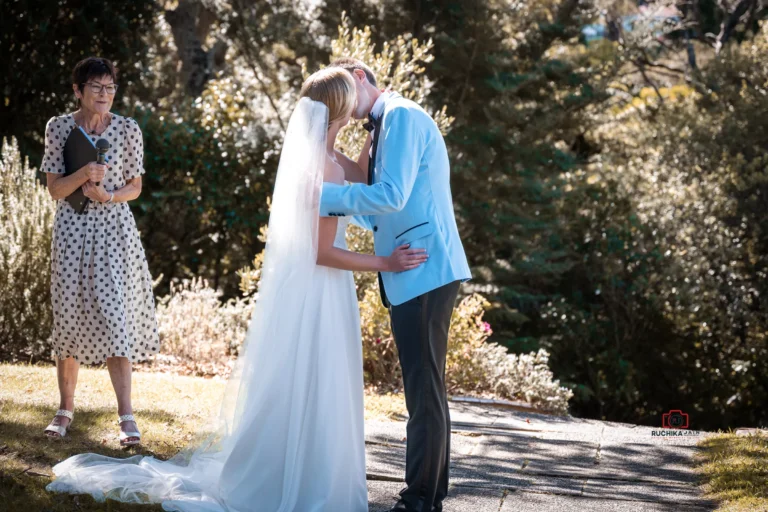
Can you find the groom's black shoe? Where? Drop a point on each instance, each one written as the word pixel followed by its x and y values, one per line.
pixel 400 506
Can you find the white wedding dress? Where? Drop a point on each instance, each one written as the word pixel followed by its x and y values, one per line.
pixel 290 435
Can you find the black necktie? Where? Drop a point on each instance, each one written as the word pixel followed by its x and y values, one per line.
pixel 374 145
pixel 375 124
pixel 370 125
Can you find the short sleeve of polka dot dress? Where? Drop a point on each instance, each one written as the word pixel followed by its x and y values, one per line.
pixel 101 288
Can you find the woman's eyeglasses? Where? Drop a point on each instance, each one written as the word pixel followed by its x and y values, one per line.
pixel 97 88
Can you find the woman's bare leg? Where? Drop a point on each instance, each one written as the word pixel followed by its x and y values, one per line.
pixel 120 373
pixel 66 372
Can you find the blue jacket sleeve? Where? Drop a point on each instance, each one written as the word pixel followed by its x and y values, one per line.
pixel 401 150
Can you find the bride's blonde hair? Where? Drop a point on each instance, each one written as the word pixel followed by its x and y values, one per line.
pixel 333 86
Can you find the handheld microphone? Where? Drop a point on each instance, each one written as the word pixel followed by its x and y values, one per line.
pixel 102 146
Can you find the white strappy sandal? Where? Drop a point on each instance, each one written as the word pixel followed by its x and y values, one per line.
pixel 58 429
pixel 126 435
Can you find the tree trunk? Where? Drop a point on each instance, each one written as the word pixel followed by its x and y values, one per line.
pixel 190 25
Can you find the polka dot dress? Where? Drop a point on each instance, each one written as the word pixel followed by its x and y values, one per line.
pixel 101 288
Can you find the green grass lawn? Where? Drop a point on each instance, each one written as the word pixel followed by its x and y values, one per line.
pixel 168 409
pixel 735 470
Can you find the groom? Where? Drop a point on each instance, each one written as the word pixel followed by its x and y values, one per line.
pixel 408 201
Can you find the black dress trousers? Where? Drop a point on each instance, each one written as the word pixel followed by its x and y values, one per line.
pixel 420 327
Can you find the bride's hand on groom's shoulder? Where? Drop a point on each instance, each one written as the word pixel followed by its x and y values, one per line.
pixel 403 258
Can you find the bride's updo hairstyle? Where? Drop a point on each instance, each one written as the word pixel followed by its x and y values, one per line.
pixel 333 86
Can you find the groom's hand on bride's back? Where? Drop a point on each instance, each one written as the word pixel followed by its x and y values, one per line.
pixel 403 258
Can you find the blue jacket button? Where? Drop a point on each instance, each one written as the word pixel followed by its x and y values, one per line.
pixel 375 228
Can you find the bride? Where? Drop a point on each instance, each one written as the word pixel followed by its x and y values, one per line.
pixel 289 437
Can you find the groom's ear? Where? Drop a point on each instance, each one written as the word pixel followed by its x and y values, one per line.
pixel 360 75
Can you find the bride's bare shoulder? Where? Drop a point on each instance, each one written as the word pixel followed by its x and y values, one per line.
pixel 333 172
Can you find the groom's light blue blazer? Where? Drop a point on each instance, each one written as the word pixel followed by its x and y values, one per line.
pixel 409 201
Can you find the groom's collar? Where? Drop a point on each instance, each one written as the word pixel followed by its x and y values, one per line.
pixel 378 106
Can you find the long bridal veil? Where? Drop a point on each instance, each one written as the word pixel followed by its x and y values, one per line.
pixel 267 384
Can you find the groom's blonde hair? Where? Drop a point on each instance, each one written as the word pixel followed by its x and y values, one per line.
pixel 334 87
pixel 351 65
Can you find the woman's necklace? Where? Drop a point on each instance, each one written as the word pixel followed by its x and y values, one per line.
pixel 92 131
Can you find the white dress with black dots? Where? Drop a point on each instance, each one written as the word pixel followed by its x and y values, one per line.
pixel 101 288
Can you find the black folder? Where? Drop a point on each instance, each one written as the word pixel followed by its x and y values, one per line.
pixel 79 150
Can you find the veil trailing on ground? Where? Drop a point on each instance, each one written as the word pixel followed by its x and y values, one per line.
pixel 211 472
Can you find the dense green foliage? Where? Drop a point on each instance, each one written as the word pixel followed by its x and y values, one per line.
pixel 40 43
pixel 610 195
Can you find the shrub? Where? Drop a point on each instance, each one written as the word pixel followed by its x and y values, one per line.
pixel 477 366
pixel 199 333
pixel 26 227
pixel 474 365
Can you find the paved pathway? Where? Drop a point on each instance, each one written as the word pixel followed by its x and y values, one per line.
pixel 509 461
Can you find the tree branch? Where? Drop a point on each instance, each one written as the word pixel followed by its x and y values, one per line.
pixel 647 63
pixel 690 50
pixel 465 88
pixel 727 27
pixel 641 68
pixel 254 62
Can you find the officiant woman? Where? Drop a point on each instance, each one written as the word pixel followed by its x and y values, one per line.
pixel 101 289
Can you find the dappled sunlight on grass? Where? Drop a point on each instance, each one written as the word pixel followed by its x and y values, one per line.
pixel 175 394
pixel 735 471
pixel 169 409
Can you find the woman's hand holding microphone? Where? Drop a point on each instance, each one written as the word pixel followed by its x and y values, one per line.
pixel 94 176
